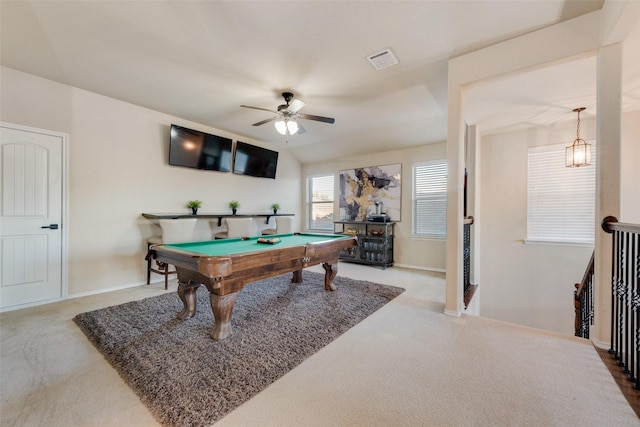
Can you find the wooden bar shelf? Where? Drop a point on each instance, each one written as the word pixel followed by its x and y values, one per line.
pixel 220 216
pixel 375 242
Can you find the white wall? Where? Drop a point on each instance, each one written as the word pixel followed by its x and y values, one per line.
pixel 118 168
pixel 630 168
pixel 408 251
pixel 532 284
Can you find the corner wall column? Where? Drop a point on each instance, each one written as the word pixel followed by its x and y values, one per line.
pixel 608 179
pixel 455 189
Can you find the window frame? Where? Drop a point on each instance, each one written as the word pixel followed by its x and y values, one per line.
pixel 441 209
pixel 311 203
pixel 552 181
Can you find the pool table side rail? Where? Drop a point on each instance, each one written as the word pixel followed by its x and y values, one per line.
pixel 241 268
pixel 189 248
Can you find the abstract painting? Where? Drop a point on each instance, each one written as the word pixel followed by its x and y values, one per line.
pixel 370 191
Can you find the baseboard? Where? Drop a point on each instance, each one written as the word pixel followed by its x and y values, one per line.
pixel 417 267
pixel 111 289
pixel 31 304
pixel 600 344
pixel 453 313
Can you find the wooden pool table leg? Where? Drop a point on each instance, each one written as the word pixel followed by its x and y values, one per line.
pixel 222 307
pixel 187 293
pixel 297 276
pixel 330 271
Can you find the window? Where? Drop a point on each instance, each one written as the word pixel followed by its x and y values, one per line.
pixel 430 199
pixel 560 200
pixel 321 202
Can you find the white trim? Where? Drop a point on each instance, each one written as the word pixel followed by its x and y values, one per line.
pixel 421 237
pixel 30 304
pixel 314 231
pixel 115 288
pixel 417 267
pixel 82 294
pixel 557 243
pixel 453 313
pixel 64 227
pixel 600 344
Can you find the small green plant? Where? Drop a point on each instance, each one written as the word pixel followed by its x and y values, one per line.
pixel 194 204
pixel 275 206
pixel 234 204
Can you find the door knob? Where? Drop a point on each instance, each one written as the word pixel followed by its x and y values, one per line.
pixel 51 226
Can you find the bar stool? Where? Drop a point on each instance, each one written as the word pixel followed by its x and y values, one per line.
pixel 173 231
pixel 284 225
pixel 236 227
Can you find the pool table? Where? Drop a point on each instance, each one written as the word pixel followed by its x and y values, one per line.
pixel 228 265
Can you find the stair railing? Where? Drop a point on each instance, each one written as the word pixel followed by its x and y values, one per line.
pixel 466 254
pixel 625 301
pixel 583 302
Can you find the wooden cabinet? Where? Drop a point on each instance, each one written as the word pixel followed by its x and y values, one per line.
pixel 375 242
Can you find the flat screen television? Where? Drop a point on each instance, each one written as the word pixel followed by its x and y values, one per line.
pixel 254 161
pixel 194 149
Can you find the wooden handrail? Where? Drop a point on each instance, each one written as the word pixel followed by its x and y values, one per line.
pixel 611 224
pixel 583 301
pixel 587 276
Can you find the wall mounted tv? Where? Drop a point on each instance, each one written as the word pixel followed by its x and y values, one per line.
pixel 254 161
pixel 194 149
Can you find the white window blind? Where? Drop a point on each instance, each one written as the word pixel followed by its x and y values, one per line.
pixel 321 202
pixel 560 200
pixel 430 199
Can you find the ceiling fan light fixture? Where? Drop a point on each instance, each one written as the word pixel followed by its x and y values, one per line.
pixel 287 116
pixel 281 127
pixel 286 125
pixel 292 126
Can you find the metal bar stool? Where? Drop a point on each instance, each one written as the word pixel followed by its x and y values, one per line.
pixel 236 227
pixel 173 231
pixel 284 225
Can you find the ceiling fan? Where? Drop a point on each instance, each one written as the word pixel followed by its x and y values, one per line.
pixel 286 118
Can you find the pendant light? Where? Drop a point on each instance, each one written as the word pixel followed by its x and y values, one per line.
pixel 579 153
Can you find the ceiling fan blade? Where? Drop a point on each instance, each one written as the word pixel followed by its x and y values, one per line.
pixel 258 108
pixel 317 118
pixel 264 121
pixel 295 106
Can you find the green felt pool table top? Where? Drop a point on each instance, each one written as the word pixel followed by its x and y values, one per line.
pixel 243 245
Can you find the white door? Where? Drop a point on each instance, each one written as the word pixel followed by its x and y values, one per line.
pixel 30 216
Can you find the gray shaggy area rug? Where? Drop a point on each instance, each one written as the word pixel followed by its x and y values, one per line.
pixel 186 378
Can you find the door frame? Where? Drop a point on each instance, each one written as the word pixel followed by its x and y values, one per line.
pixel 64 227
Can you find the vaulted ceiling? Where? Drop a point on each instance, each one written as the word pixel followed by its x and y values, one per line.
pixel 200 60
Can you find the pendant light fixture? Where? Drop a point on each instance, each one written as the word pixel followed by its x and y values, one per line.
pixel 579 153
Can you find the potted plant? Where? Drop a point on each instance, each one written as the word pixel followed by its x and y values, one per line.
pixel 234 205
pixel 275 208
pixel 194 205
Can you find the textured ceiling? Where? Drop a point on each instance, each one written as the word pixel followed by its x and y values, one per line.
pixel 200 60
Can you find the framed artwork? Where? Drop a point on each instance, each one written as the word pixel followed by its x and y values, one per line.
pixel 370 191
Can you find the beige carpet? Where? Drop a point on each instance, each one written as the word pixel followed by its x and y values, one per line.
pixel 405 365
pixel 276 325
pixel 437 370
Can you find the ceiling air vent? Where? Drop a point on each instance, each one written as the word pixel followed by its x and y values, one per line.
pixel 382 59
